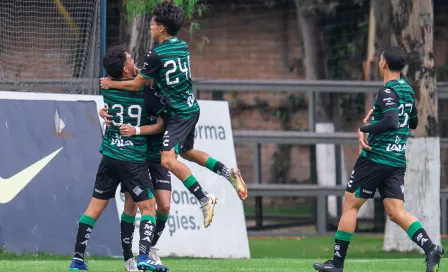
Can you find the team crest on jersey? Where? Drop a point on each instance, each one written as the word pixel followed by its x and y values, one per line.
pixel 119 142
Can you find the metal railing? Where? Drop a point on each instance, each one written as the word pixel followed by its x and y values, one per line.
pixel 321 193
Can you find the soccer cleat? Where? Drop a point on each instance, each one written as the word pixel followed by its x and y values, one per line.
pixel 237 182
pixel 78 264
pixel 433 258
pixel 327 266
pixel 145 263
pixel 153 254
pixel 208 209
pixel 130 265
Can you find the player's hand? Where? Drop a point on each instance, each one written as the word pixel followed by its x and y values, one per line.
pixel 106 117
pixel 367 118
pixel 127 130
pixel 363 144
pixel 105 82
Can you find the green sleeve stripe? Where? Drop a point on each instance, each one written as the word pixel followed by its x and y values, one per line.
pixel 414 116
pixel 157 113
pixel 145 76
pixel 391 109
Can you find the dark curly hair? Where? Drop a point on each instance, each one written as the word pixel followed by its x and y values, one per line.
pixel 170 16
pixel 395 58
pixel 114 61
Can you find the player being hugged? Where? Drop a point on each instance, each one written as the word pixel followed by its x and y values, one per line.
pixel 124 160
pixel 168 65
pixel 382 165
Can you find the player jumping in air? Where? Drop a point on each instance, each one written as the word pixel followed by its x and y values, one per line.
pixel 168 65
pixel 382 165
pixel 160 177
pixel 124 160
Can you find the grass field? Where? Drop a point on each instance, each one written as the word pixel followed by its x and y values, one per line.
pixel 267 255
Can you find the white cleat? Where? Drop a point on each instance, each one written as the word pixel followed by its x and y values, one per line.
pixel 130 265
pixel 238 183
pixel 154 255
pixel 208 209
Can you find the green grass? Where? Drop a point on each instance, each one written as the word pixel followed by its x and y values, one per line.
pixel 267 255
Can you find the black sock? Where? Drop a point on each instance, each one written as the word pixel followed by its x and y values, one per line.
pixel 127 226
pixel 160 226
pixel 421 238
pixel 217 167
pixel 341 243
pixel 85 227
pixel 194 187
pixel 147 227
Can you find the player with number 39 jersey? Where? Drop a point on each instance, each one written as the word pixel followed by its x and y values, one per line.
pixel 127 108
pixel 168 66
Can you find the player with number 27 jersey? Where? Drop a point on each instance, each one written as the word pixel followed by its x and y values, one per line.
pixel 169 66
pixel 390 147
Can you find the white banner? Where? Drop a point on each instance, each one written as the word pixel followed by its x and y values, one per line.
pixel 184 234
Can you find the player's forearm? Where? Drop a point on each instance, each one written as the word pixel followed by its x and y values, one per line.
pixel 128 85
pixel 385 125
pixel 152 129
pixel 158 127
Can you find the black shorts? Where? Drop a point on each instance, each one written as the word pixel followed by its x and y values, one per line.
pixel 160 177
pixel 367 176
pixel 179 133
pixel 134 175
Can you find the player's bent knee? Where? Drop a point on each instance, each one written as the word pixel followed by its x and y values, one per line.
pixel 394 209
pixel 163 208
pixel 187 155
pixel 352 202
pixel 147 206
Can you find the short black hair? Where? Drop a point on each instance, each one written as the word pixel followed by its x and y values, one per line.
pixel 395 58
pixel 169 15
pixel 114 61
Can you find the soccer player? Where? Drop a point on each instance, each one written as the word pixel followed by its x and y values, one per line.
pixel 382 165
pixel 168 65
pixel 123 160
pixel 160 176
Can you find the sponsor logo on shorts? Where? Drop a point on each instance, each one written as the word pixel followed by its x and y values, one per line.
pixel 402 189
pixel 98 191
pixel 367 192
pixel 162 181
pixel 137 191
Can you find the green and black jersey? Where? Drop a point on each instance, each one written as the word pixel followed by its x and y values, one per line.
pixel 156 106
pixel 126 108
pixel 390 147
pixel 168 65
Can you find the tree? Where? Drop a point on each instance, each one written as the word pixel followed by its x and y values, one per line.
pixel 134 23
pixel 412 28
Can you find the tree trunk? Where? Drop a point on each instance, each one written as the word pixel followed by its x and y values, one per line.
pixel 412 26
pixel 315 67
pixel 135 35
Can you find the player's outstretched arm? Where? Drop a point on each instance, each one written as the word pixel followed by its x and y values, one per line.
pixel 128 85
pixel 128 131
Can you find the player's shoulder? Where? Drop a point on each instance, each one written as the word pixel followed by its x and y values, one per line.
pixel 387 91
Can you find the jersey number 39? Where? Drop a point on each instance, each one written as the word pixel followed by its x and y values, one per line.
pixel 133 111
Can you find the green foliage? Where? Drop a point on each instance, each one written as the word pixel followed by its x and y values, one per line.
pixel 191 7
